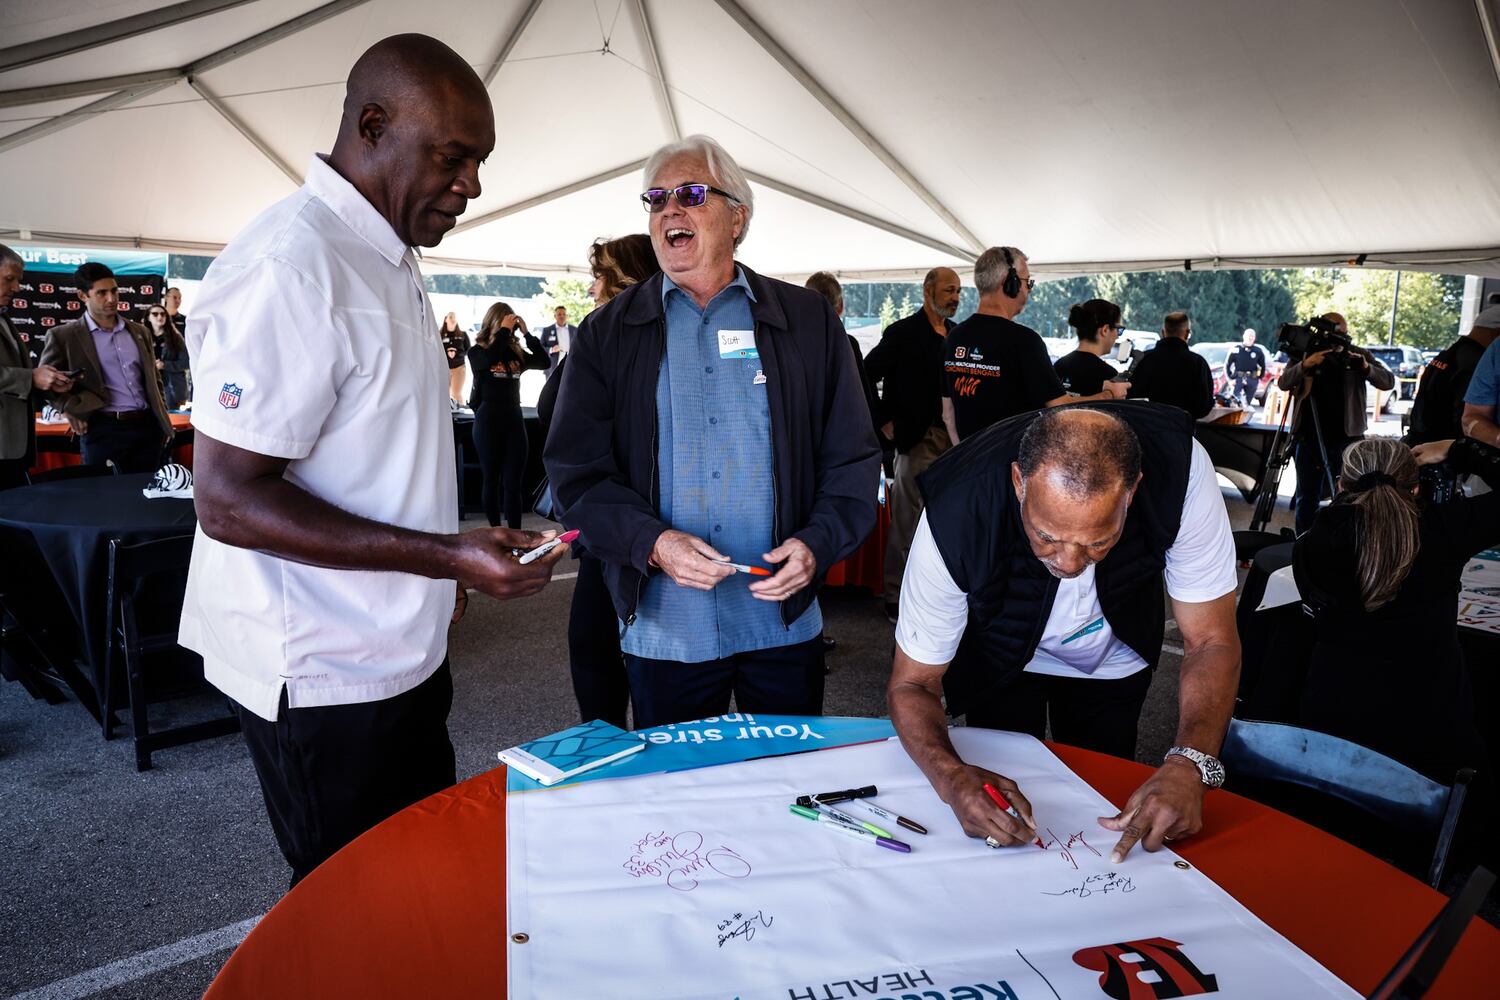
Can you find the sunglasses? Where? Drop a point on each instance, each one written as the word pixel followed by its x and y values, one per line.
pixel 688 196
pixel 153 315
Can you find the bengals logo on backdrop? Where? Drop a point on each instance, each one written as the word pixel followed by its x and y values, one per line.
pixel 73 305
pixel 45 289
pixel 148 289
pixel 1150 969
pixel 19 303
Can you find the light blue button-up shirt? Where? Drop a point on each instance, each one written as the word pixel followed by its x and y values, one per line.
pixel 120 365
pixel 714 453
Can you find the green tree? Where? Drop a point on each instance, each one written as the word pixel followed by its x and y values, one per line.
pixel 887 312
pixel 1427 314
pixel 570 293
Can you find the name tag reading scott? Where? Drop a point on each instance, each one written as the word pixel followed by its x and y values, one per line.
pixel 737 344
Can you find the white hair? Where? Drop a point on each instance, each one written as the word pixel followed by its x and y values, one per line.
pixel 722 170
pixel 992 267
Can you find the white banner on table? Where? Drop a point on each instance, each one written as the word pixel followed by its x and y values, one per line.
pixel 702 884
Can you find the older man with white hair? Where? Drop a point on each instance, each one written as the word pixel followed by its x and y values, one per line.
pixel 714 447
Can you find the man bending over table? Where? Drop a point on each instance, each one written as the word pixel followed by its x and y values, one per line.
pixel 1034 588
pixel 322 577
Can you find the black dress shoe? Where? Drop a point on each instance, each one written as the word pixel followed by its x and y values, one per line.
pixel 828 643
pixel 892 612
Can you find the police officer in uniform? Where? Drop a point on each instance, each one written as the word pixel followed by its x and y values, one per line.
pixel 1244 369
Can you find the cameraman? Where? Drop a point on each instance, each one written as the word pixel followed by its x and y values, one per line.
pixel 1331 383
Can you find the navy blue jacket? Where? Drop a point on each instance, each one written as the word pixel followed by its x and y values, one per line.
pixel 601 449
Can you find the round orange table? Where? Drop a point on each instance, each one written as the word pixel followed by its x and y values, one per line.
pixel 415 907
pixel 57 459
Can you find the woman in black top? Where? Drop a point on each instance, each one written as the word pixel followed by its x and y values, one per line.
pixel 456 346
pixel 1380 570
pixel 498 359
pixel 1085 371
pixel 599 680
pixel 171 356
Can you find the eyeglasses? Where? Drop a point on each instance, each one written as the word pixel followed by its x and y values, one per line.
pixel 688 196
pixel 1030 284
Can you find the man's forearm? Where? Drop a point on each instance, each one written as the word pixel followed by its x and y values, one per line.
pixel 917 714
pixel 1482 429
pixel 273 515
pixel 1208 682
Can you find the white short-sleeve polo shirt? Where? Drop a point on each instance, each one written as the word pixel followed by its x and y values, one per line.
pixel 312 339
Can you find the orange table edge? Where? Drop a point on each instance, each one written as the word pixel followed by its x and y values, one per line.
pixel 415 906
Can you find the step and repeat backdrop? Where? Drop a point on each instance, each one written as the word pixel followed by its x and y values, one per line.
pixel 48 296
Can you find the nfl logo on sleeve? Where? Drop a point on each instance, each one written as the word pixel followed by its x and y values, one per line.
pixel 229 396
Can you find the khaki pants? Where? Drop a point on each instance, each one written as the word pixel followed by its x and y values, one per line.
pixel 906 505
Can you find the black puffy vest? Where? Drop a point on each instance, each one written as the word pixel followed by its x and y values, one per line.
pixel 975 519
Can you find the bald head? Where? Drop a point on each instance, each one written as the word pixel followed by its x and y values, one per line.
pixel 1075 477
pixel 417 123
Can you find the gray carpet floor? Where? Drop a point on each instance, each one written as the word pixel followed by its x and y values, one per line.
pixel 100 864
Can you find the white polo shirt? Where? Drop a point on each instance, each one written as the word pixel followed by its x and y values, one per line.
pixel 313 340
pixel 1077 640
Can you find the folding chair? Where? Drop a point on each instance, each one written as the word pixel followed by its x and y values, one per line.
pixel 146 583
pixel 1400 798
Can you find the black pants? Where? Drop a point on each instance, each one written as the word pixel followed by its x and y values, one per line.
pixel 328 774
pixel 786 680
pixel 1088 713
pixel 500 440
pixel 599 680
pixel 1245 386
pixel 133 445
pixel 1312 484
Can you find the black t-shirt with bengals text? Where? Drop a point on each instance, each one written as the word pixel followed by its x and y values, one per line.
pixel 995 369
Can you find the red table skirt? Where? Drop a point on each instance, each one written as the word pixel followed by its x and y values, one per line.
pixel 866 567
pixel 181 454
pixel 415 907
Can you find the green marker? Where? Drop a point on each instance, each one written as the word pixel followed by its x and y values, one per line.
pixel 849 820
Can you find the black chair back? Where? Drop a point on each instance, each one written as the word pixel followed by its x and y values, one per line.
pixel 146 586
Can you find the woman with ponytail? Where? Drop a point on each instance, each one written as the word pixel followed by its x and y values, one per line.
pixel 1084 371
pixel 1380 570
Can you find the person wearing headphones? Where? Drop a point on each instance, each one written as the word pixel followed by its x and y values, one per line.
pixel 997 368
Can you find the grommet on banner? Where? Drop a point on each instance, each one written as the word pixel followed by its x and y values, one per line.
pixel 520 938
pixel 1181 864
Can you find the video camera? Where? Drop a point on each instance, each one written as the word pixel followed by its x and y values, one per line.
pixel 1318 334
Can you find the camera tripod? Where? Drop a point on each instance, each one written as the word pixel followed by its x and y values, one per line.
pixel 1281 453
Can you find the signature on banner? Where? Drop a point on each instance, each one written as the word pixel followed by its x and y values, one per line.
pixel 681 861
pixel 1103 883
pixel 1072 842
pixel 741 926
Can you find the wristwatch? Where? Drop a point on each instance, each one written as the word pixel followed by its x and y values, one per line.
pixel 1209 768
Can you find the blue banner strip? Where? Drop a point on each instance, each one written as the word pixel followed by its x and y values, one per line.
pixel 725 739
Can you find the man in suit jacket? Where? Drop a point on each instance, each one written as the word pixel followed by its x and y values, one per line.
pixel 557 337
pixel 18 379
pixel 116 406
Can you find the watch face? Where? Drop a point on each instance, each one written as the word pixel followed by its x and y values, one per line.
pixel 1212 770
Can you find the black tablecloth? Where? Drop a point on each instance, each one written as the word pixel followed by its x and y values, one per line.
pixel 71 523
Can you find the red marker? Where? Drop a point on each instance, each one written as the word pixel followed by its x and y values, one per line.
pixel 1001 801
pixel 534 554
pixel 742 568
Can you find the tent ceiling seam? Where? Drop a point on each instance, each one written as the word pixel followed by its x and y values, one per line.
pixel 820 93
pixel 137 85
pixel 510 42
pixel 1491 31
pixel 96 35
pixel 663 90
pixel 244 129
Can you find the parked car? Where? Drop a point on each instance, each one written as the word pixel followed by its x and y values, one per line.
pixel 1405 362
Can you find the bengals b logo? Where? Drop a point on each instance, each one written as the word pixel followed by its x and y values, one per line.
pixel 1152 969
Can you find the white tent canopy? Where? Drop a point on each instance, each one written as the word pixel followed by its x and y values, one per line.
pixel 883 137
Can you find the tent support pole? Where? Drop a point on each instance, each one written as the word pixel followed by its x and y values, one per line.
pixel 1488 25
pixel 663 89
pixel 96 35
pixel 817 90
pixel 244 130
pixel 858 216
pixel 542 199
pixel 510 42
